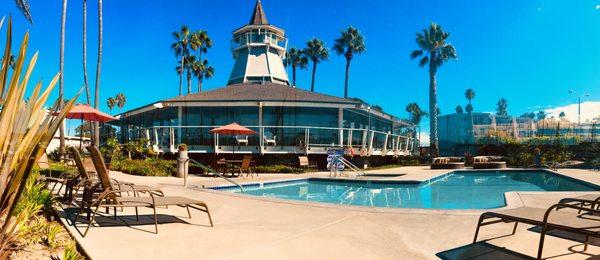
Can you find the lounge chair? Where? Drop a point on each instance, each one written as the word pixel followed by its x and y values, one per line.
pixel 303 162
pixel 110 198
pixel 44 164
pixel 272 141
pixel 447 163
pixel 241 140
pixel 488 162
pixel 587 224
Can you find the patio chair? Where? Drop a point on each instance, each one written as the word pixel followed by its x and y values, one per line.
pixel 303 162
pixel 241 140
pixel 110 198
pixel 102 172
pixel 44 164
pixel 272 141
pixel 586 224
pixel 245 166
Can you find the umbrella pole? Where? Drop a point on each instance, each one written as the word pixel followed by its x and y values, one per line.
pixel 81 135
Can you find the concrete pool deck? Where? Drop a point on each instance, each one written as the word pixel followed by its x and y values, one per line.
pixel 247 227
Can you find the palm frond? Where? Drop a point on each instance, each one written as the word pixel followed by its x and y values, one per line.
pixel 415 53
pixel 423 61
pixel 23 6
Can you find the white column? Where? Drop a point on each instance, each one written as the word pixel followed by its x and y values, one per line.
pixel 341 125
pixel 371 142
pixel 385 142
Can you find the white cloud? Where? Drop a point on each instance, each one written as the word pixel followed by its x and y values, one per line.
pixel 598 7
pixel 589 111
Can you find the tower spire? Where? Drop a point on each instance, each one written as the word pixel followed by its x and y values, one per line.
pixel 258 16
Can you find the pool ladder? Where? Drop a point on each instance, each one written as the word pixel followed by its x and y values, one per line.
pixel 357 171
pixel 208 169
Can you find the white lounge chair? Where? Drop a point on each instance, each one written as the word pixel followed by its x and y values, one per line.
pixel 270 141
pixel 241 139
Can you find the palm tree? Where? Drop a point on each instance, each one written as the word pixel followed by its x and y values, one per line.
pixel 85 79
pixel 111 102
pixel 61 86
pixel 502 107
pixel 416 114
pixel 562 114
pixel 181 47
pixel 98 69
pixel 120 100
pixel 435 51
pixel 350 42
pixel 459 109
pixel 470 95
pixel 296 59
pixel 542 115
pixel 203 42
pixel 201 71
pixel 316 52
pixel 188 66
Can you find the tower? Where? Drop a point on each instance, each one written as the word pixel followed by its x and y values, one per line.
pixel 258 49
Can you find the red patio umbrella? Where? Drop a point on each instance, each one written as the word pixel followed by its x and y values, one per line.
pixel 232 129
pixel 87 113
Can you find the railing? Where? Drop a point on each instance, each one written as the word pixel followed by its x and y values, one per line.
pixel 208 169
pixel 353 167
pixel 304 138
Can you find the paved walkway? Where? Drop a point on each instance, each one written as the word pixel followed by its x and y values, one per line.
pixel 248 227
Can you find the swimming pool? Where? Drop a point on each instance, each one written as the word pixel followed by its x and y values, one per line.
pixel 456 190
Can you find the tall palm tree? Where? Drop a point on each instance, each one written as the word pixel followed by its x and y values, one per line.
pixel 316 52
pixel 61 85
pixel 502 107
pixel 98 69
pixel 203 42
pixel 201 71
pixel 416 114
pixel 296 59
pixel 188 68
pixel 111 102
pixel 470 95
pixel 435 51
pixel 120 99
pixel 184 43
pixel 85 78
pixel 351 42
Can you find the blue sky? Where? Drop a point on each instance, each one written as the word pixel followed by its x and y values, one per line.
pixel 529 52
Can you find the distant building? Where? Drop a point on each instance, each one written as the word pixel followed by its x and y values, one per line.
pixel 258 95
pixel 455 130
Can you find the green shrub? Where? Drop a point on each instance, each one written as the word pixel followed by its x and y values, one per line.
pixel 276 169
pixel 35 196
pixel 148 167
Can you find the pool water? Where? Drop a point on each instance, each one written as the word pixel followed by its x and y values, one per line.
pixel 456 190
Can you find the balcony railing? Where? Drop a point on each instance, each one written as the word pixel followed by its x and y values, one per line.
pixel 282 139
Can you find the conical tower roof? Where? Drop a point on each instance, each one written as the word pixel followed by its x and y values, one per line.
pixel 258 16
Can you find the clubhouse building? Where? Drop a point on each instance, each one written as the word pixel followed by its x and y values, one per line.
pixel 258 95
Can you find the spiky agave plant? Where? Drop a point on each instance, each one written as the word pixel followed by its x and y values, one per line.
pixel 26 128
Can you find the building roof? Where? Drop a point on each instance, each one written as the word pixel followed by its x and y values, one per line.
pixel 261 92
pixel 258 16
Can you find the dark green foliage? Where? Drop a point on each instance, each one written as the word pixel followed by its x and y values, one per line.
pixel 147 167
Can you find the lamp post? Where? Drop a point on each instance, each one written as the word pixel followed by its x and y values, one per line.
pixel 579 105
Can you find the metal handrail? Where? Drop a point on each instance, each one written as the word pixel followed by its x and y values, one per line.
pixel 352 166
pixel 215 172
